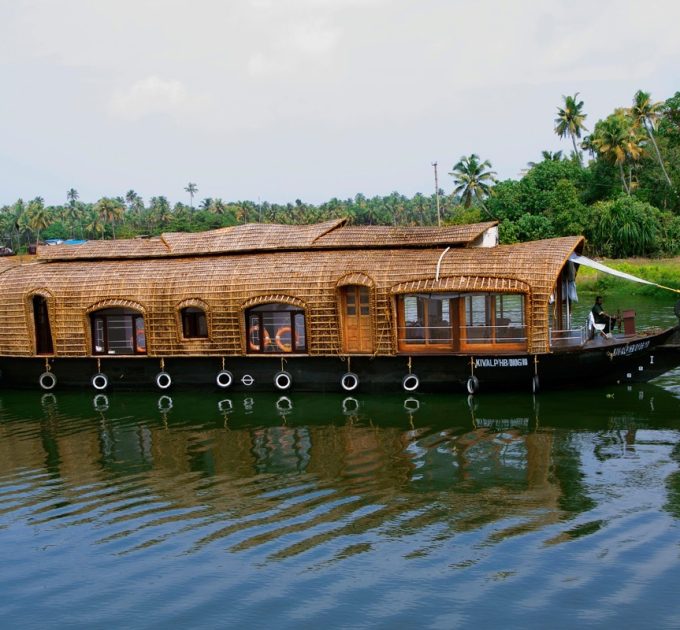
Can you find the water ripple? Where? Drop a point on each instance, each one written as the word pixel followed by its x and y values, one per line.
pixel 143 520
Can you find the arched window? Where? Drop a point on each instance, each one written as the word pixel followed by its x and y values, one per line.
pixel 118 331
pixel 276 328
pixel 194 323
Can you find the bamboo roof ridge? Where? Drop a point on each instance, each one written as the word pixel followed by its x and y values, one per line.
pixel 261 237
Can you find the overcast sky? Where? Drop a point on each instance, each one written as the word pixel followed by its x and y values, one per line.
pixel 312 99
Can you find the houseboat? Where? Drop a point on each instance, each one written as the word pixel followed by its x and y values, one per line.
pixel 325 307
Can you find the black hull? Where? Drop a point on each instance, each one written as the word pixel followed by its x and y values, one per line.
pixel 638 359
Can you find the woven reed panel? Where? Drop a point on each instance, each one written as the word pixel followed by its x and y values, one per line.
pixel 383 236
pixel 240 238
pixel 260 237
pixel 128 248
pixel 159 287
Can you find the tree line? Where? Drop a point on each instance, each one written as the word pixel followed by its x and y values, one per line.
pixel 619 186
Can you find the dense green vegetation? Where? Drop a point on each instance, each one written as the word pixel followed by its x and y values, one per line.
pixel 625 198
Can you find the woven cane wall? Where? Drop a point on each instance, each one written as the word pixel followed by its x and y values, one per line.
pixel 227 283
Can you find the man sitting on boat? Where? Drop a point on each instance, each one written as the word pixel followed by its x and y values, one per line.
pixel 601 317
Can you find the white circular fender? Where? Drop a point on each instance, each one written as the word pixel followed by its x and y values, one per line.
pixel 349 381
pixel 283 380
pixel 100 381
pixel 224 379
pixel 47 381
pixel 410 382
pixel 163 380
pixel 472 385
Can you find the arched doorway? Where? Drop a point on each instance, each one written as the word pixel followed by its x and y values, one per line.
pixel 41 322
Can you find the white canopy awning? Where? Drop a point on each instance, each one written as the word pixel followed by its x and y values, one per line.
pixel 587 262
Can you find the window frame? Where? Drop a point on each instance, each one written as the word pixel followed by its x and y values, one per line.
pixel 189 317
pixel 458 317
pixel 259 311
pixel 103 315
pixel 491 308
pixel 426 345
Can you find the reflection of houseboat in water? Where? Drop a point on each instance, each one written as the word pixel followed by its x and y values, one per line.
pixel 326 307
pixel 256 479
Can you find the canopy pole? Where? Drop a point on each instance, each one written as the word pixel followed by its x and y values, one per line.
pixel 565 288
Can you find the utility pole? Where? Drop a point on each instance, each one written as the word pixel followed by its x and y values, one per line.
pixel 436 192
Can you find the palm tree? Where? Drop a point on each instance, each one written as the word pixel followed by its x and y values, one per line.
pixel 131 198
pixel 72 196
pixel 38 217
pixel 160 210
pixel 72 215
pixel 551 156
pixel 17 211
pixel 192 189
pixel 217 206
pixel 587 145
pixel 570 119
pixel 645 113
pixel 472 180
pixel 110 210
pixel 548 156
pixel 617 140
pixel 96 225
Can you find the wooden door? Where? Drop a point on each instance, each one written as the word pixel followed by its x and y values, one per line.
pixel 357 319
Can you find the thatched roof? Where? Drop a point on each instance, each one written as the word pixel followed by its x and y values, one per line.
pixel 261 237
pixel 372 236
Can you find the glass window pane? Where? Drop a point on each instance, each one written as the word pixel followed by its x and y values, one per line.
pixel 277 325
pixel 202 325
pixel 300 339
pixel 478 319
pixel 414 331
pixel 99 340
pixel 254 334
pixel 364 300
pixel 350 301
pixel 119 329
pixel 510 318
pixel 438 322
pixel 140 335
